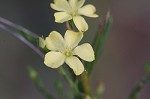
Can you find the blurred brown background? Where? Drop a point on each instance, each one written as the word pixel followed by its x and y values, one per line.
pixel 120 66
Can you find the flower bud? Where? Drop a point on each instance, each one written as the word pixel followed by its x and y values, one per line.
pixel 87 97
pixel 100 88
pixel 42 42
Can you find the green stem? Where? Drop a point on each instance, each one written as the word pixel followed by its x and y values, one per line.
pixel 72 84
pixel 38 83
pixel 85 83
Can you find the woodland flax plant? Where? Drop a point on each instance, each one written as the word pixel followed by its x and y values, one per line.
pixel 55 50
pixel 67 49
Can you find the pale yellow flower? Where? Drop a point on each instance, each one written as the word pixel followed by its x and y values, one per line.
pixel 73 9
pixel 66 50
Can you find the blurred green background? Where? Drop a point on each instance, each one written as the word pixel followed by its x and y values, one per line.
pixel 120 66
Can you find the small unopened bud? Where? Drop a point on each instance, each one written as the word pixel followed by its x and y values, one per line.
pixel 32 73
pixel 42 42
pixel 100 88
pixel 87 97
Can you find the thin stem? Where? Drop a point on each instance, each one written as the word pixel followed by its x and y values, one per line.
pixel 68 26
pixel 85 83
pixel 15 31
pixel 72 84
pixel 38 83
pixel 17 27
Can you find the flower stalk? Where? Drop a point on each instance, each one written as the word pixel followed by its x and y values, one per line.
pixel 38 83
pixel 70 81
pixel 85 83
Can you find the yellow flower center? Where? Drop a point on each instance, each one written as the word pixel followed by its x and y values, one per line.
pixel 68 52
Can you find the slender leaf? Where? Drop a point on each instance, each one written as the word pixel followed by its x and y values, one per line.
pixel 38 83
pixel 147 68
pixel 139 87
pixel 99 41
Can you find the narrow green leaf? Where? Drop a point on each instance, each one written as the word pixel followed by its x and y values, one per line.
pixel 38 83
pixel 139 87
pixel 99 41
pixel 73 85
pixel 147 68
pixel 30 38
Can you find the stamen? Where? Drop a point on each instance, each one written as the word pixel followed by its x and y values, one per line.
pixel 68 52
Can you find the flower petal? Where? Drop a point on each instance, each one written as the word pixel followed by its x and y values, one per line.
pixel 55 41
pixel 75 64
pixel 80 23
pixel 88 10
pixel 73 4
pixel 76 4
pixel 60 5
pixel 72 38
pixel 85 52
pixel 80 3
pixel 61 17
pixel 54 59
